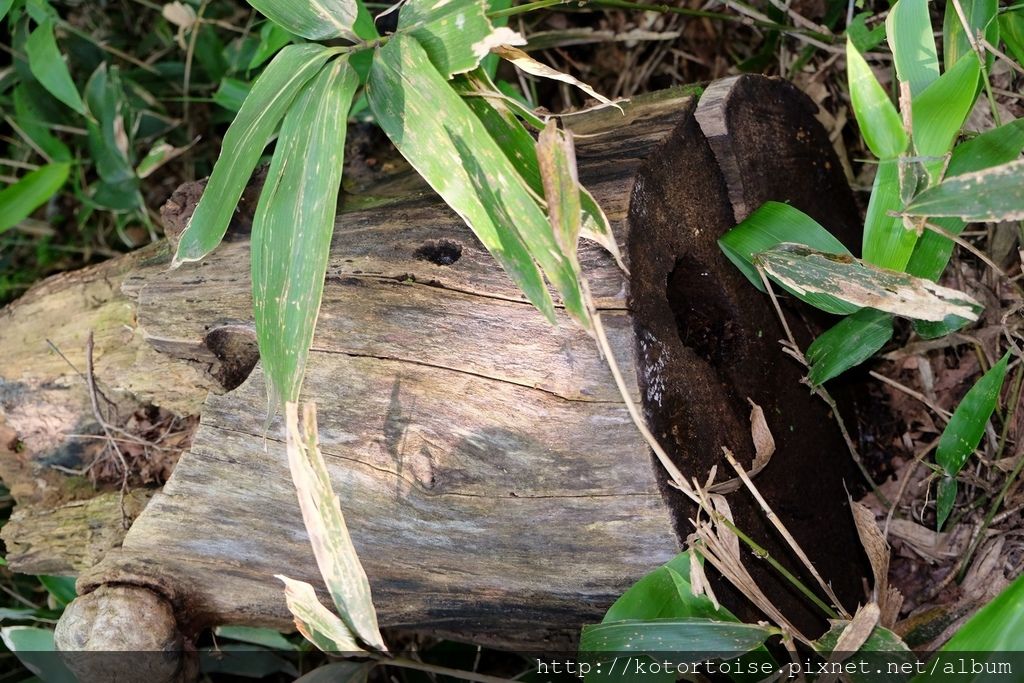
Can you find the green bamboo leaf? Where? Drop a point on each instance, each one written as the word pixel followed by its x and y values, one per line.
pixel 339 672
pixel 18 201
pixel 497 114
pixel 855 285
pixel 61 588
pixel 35 649
pixel 887 243
pixel 316 623
pixel 940 111
pixel 945 499
pixel 313 19
pixel 293 224
pixel 879 122
pixel 454 34
pixel 264 637
pixel 772 224
pixel 995 147
pixel 997 628
pixel 248 135
pixel 5 6
pixel 981 17
pixel 699 638
pixel 457 156
pixel 328 534
pixel 1011 29
pixel 29 117
pixel 908 29
pixel 47 65
pixel 882 650
pixel 994 194
pixel 108 127
pixel 965 429
pixel 847 344
pixel 964 432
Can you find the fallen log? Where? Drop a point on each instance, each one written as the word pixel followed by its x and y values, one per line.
pixel 494 484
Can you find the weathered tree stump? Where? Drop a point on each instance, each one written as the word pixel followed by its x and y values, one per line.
pixel 493 482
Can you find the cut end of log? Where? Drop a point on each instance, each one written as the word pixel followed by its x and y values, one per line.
pixel 707 342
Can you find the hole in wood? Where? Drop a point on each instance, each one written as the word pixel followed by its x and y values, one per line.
pixel 439 252
pixel 236 349
pixel 704 320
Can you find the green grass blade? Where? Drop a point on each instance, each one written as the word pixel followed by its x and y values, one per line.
pixel 939 113
pixel 332 545
pixel 964 432
pixel 811 274
pixel 293 224
pixel 879 122
pixel 994 194
pixel 772 224
pixel 997 628
pixel 457 156
pixel 699 638
pixel 248 135
pixel 313 19
pixel 908 28
pixel 18 201
pixel 981 17
pixel 47 64
pixel 887 244
pixel 452 34
pixel 965 429
pixel 847 344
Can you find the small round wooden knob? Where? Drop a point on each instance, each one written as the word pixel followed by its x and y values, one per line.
pixel 123 633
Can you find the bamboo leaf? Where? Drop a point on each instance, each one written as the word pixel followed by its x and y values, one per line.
pixel 699 638
pixel 908 29
pixel 992 148
pixel 498 117
pixel 35 649
pixel 321 512
pixel 945 499
pixel 847 344
pixel 5 6
pixel 313 19
pixel 18 201
pixel 880 652
pixel 940 111
pixel 454 34
pixel 854 284
pixel 981 17
pixel 248 135
pixel 1011 29
pixel 528 64
pixel 772 224
pixel 879 122
pixel 339 672
pixel 316 623
pixel 293 224
pixel 994 194
pixel 965 429
pixel 47 64
pixel 457 156
pixel 887 243
pixel 556 157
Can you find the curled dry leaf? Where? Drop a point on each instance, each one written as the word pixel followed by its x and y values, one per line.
pixel 853 637
pixel 531 66
pixel 888 597
pixel 181 15
pixel 764 448
pixel 501 36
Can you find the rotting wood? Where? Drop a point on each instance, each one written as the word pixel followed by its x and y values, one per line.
pixel 493 482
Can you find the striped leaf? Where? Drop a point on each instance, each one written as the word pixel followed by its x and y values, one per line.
pixel 293 224
pixel 457 156
pixel 328 534
pixel 248 135
pixel 313 19
pixel 316 623
pixel 452 32
pixel 994 194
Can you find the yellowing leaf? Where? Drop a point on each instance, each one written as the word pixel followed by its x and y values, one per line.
pixel 526 63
